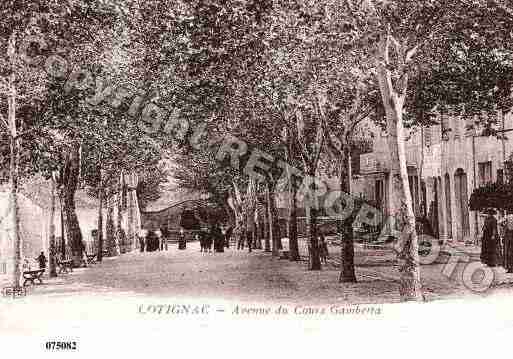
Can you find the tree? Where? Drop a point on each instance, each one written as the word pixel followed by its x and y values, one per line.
pixel 23 19
pixel 402 37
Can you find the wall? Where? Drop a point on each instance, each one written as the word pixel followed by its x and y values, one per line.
pixel 447 159
pixel 33 229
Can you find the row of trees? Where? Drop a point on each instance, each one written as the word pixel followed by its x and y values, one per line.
pixel 311 73
pixel 67 76
pixel 293 79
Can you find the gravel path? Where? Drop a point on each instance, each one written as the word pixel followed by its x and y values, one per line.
pixel 249 277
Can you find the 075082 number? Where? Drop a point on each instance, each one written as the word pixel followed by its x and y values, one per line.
pixel 61 345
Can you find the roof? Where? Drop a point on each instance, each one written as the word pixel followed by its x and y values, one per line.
pixel 177 205
pixel 171 197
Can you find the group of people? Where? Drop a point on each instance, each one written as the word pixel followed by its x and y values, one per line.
pixel 323 248
pixel 215 237
pixel 150 241
pixel 497 242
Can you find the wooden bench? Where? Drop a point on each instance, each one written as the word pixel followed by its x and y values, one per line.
pixel 32 275
pixel 65 266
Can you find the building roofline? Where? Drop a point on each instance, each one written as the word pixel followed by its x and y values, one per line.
pixel 173 205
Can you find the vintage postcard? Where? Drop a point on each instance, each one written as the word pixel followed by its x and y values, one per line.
pixel 303 178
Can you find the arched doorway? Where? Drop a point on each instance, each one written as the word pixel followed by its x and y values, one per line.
pixel 461 195
pixel 448 209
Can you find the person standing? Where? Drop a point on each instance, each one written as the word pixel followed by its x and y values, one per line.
pixel 489 244
pixel 142 239
pixel 241 240
pixel 219 239
pixel 164 239
pixel 151 241
pixel 208 240
pixel 507 240
pixel 41 259
pixel 213 238
pixel 228 236
pixel 223 233
pixel 84 254
pixel 249 239
pixel 158 233
pixel 323 248
pixel 182 242
pixel 202 237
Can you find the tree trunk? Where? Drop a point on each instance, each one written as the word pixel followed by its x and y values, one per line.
pixel 293 241
pixel 70 184
pixel 131 193
pixel 14 163
pixel 63 235
pixel 315 258
pixel 311 229
pixel 52 264
pixel 16 239
pixel 401 202
pixel 275 240
pixel 270 217
pixel 345 226
pixel 267 242
pixel 15 217
pixel 100 221
pixel 120 238
pixel 250 216
pixel 112 247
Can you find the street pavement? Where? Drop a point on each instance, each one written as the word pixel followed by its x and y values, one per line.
pixel 257 276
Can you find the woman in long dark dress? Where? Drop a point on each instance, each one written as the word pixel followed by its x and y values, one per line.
pixel 202 236
pixel 182 241
pixel 218 239
pixel 489 245
pixel 208 240
pixel 507 224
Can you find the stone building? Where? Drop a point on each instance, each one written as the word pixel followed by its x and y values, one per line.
pixel 445 161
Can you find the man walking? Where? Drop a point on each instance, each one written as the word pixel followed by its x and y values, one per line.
pixel 158 233
pixel 41 259
pixel 142 239
pixel 240 240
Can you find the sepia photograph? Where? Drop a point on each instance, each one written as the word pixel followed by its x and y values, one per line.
pixel 304 178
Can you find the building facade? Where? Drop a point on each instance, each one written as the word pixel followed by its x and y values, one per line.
pixel 445 162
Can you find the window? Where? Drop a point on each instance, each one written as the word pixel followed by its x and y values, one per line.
pixel 485 172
